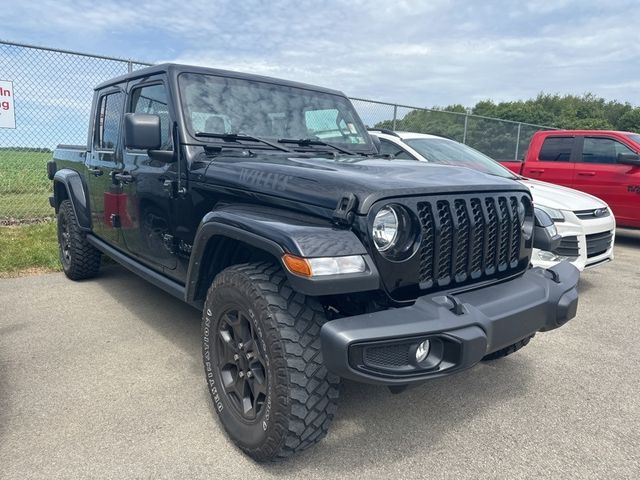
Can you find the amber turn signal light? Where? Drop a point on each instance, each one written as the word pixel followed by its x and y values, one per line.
pixel 297 265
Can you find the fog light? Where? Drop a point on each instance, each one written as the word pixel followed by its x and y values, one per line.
pixel 422 351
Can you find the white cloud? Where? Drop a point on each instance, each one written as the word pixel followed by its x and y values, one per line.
pixel 424 53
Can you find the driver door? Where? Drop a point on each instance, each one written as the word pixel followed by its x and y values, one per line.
pixel 148 227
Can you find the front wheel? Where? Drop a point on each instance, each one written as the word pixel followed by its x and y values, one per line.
pixel 263 362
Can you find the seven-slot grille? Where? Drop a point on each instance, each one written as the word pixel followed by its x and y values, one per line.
pixel 469 238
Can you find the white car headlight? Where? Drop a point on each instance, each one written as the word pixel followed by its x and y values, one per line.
pixel 555 214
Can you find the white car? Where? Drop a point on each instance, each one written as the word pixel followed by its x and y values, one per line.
pixel 585 223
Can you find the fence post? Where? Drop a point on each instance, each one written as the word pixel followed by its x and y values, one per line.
pixel 395 115
pixel 129 66
pixel 464 134
pixel 515 159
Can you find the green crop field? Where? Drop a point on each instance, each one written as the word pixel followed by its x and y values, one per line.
pixel 24 186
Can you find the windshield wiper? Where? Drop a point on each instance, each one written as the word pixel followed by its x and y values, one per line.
pixel 303 142
pixel 234 137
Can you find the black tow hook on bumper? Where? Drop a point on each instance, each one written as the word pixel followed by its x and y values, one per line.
pixel 442 334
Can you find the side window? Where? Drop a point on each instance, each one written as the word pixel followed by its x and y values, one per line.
pixel 109 118
pixel 556 149
pixel 153 99
pixel 602 150
pixel 390 148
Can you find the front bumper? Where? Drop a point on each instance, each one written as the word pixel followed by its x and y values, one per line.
pixel 579 229
pixel 462 328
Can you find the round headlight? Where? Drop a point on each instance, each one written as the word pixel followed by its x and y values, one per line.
pixel 385 228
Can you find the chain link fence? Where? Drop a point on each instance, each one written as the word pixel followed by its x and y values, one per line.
pixel 500 139
pixel 53 89
pixel 52 92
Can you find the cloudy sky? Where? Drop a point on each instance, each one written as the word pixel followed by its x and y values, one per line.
pixel 424 53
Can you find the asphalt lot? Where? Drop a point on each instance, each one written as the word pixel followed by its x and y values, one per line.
pixel 103 379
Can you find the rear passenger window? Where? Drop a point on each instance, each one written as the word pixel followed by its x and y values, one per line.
pixel 556 149
pixel 110 115
pixel 152 99
pixel 602 150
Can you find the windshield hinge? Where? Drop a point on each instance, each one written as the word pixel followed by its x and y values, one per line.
pixel 344 213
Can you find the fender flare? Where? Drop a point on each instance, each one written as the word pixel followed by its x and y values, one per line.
pixel 278 232
pixel 76 191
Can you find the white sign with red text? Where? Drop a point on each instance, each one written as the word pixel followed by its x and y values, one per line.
pixel 7 111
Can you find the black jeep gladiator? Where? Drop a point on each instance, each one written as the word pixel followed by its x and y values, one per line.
pixel 264 203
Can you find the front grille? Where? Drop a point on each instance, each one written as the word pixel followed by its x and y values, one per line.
pixel 592 213
pixel 469 238
pixel 568 247
pixel 598 243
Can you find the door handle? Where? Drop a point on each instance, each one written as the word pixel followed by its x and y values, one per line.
pixel 587 174
pixel 536 170
pixel 96 172
pixel 123 177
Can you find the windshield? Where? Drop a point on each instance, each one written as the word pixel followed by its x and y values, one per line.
pixel 635 137
pixel 448 152
pixel 214 104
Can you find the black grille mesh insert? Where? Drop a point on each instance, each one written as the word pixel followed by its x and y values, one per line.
pixel 446 239
pixel 469 237
pixel 478 239
pixel 387 356
pixel 462 241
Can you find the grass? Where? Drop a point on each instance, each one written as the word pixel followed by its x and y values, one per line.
pixel 24 186
pixel 28 249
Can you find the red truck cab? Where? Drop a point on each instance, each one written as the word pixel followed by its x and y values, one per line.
pixel 605 164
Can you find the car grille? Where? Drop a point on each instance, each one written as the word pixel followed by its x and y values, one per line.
pixel 469 238
pixel 568 247
pixel 598 243
pixel 593 213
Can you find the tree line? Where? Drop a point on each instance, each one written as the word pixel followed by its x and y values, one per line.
pixel 500 139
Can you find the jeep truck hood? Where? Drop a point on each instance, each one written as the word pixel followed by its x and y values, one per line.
pixel 322 181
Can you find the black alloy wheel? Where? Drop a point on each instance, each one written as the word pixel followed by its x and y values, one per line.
pixel 242 365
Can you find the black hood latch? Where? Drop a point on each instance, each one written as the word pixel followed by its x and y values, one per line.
pixel 344 213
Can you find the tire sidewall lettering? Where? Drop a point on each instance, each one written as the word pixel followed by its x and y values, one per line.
pixel 208 365
pixel 267 413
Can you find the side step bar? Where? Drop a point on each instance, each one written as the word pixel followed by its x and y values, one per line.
pixel 159 280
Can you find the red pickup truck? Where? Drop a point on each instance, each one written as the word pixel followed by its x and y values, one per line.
pixel 605 164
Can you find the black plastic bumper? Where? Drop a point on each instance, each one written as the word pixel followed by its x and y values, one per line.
pixel 461 328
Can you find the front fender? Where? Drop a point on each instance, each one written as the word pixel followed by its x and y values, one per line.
pixel 278 232
pixel 69 184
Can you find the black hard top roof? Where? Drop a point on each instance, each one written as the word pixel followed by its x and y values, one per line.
pixel 175 69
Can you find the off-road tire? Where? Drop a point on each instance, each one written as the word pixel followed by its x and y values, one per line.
pixel 508 350
pixel 301 393
pixel 79 259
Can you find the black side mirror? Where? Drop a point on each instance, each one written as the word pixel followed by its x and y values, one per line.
pixel 142 131
pixel 629 159
pixel 545 233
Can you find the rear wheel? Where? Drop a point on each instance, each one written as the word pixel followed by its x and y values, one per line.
pixel 508 350
pixel 79 259
pixel 263 362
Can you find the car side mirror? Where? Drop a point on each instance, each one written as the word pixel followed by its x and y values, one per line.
pixel 629 159
pixel 142 131
pixel 545 233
